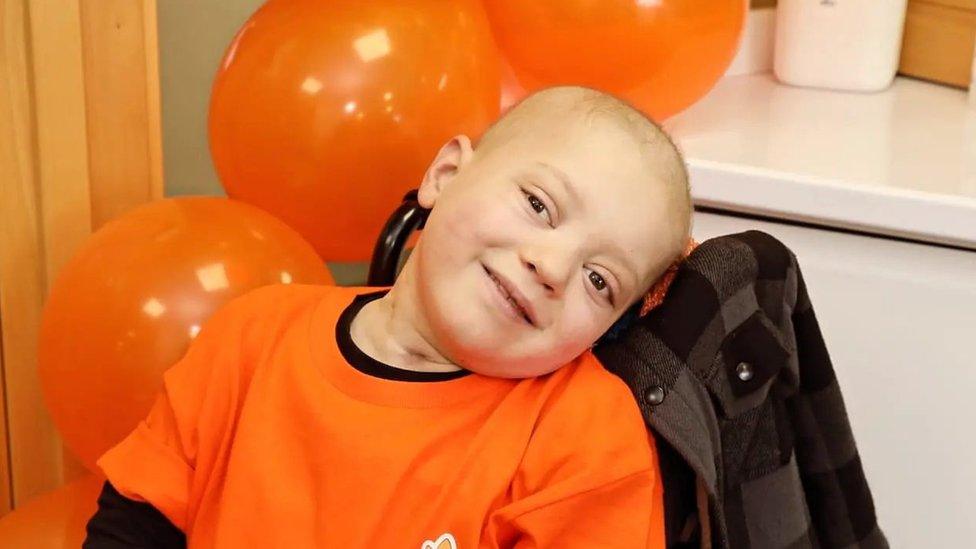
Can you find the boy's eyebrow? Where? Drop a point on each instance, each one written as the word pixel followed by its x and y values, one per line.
pixel 568 187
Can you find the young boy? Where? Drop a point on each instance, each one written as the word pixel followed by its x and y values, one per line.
pixel 460 408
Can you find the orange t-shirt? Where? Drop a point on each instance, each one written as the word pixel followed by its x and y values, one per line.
pixel 264 435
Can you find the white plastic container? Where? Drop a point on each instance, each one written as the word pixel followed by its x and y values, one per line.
pixel 838 44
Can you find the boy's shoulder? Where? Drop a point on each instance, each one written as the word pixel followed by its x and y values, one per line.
pixel 284 293
pixel 272 306
pixel 283 297
pixel 591 392
pixel 264 302
pixel 586 398
pixel 277 305
pixel 591 426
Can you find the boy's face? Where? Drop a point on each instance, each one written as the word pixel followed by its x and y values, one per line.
pixel 573 219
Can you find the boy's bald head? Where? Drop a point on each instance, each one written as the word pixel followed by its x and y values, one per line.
pixel 543 234
pixel 544 114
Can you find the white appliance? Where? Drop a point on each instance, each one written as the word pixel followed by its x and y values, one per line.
pixel 838 44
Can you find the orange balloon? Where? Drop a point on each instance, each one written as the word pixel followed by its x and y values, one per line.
pixel 512 90
pixel 326 113
pixel 662 56
pixel 128 303
pixel 55 520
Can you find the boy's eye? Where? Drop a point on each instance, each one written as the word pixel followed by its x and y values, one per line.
pixel 538 206
pixel 599 283
pixel 597 280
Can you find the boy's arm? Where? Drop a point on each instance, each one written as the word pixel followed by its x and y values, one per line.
pixel 180 443
pixel 120 522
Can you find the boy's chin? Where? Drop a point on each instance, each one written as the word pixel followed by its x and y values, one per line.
pixel 517 366
pixel 503 359
pixel 509 369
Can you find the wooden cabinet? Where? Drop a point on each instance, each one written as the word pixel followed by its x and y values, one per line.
pixel 938 41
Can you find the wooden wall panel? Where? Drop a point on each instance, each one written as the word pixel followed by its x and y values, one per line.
pixel 154 127
pixel 79 145
pixel 122 106
pixel 47 213
pixel 19 239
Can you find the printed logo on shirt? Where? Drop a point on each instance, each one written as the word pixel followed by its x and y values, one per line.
pixel 446 541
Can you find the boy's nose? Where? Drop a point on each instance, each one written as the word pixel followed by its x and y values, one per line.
pixel 533 268
pixel 549 270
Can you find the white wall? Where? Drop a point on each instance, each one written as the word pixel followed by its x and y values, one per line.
pixel 193 35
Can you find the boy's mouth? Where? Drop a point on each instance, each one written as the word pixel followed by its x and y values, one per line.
pixel 508 296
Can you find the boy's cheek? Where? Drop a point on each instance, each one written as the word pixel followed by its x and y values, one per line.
pixel 471 222
pixel 578 328
pixel 489 229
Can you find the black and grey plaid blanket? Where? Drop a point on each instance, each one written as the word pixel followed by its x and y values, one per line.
pixel 733 377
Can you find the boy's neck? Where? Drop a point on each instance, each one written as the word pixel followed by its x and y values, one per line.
pixel 389 329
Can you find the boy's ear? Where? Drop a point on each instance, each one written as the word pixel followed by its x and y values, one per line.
pixel 453 156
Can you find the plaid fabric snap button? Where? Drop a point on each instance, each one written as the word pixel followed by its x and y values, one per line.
pixel 744 371
pixel 654 395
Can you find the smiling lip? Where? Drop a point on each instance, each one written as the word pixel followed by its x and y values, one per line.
pixel 515 294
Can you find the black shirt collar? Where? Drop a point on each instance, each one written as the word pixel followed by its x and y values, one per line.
pixel 369 365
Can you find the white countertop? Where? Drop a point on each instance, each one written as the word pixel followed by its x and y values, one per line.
pixel 900 162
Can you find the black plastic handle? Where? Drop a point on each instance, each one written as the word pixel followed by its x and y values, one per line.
pixel 407 218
